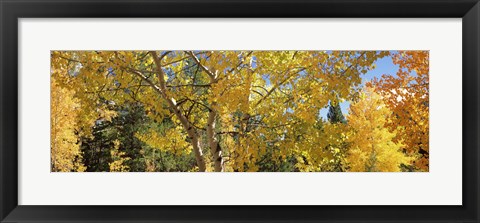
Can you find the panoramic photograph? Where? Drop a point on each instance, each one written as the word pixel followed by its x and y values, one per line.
pixel 239 111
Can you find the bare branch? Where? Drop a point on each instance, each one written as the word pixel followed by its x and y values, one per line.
pixel 164 55
pixel 183 58
pixel 145 78
pixel 189 85
pixel 208 71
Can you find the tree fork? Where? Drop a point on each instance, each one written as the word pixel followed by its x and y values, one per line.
pixel 192 133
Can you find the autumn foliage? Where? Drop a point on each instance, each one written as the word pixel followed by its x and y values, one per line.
pixel 407 96
pixel 237 111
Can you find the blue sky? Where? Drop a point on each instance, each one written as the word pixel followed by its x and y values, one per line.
pixel 383 66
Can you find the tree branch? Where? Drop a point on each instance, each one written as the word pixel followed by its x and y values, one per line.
pixel 276 86
pixel 189 85
pixel 209 72
pixel 192 133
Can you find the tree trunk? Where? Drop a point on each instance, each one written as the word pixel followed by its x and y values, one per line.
pixel 213 142
pixel 215 149
pixel 197 149
pixel 192 133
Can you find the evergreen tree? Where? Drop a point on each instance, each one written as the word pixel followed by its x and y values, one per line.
pixel 335 113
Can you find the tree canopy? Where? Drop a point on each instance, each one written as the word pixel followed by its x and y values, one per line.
pixel 237 111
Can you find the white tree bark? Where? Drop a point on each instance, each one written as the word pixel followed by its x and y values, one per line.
pixel 213 142
pixel 191 131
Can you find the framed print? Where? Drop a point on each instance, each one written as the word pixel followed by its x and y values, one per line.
pixel 226 111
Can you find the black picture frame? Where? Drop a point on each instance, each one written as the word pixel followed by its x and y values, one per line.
pixel 11 11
